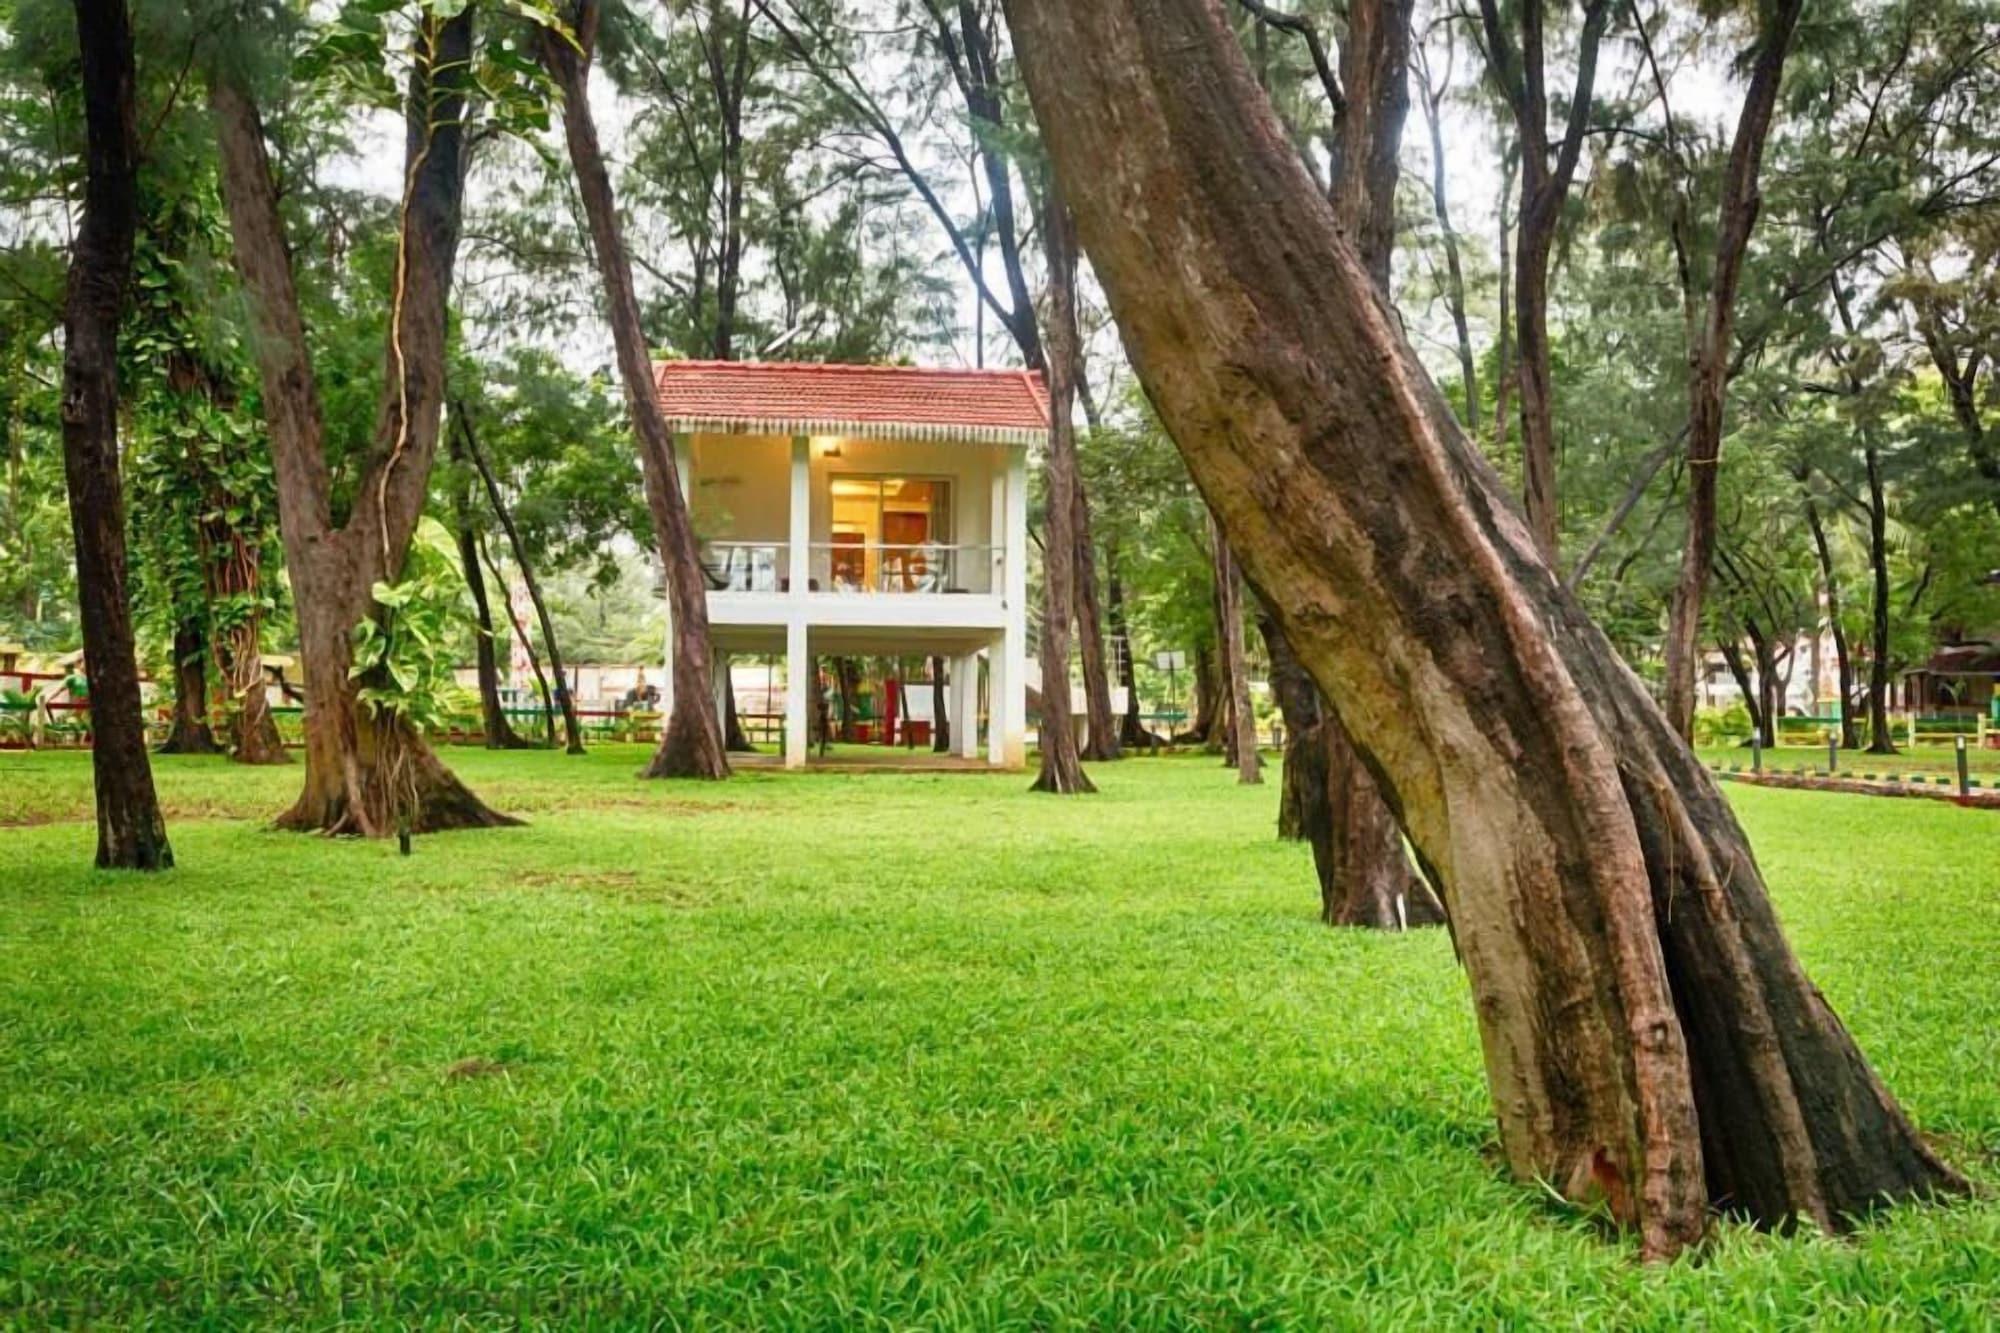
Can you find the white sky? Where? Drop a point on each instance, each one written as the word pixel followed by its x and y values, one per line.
pixel 1704 96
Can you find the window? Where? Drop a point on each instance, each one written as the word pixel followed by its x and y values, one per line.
pixel 890 533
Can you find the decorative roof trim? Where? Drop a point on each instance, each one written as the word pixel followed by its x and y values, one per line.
pixel 906 432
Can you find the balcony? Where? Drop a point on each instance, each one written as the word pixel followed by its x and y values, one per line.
pixel 854 568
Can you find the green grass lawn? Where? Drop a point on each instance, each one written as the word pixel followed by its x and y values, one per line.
pixel 854 1051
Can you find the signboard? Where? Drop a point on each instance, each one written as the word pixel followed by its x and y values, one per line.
pixel 1174 661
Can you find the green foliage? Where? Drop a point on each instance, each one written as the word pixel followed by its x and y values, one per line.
pixel 404 654
pixel 1722 726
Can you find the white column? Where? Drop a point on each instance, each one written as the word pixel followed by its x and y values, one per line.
pixel 798 683
pixel 1011 703
pixel 996 707
pixel 996 528
pixel 684 465
pixel 965 704
pixel 667 667
pixel 800 564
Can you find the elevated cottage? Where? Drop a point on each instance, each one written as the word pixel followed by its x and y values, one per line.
pixel 848 510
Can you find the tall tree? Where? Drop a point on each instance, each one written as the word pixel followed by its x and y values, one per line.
pixel 1650 1040
pixel 1062 767
pixel 368 768
pixel 1711 341
pixel 691 744
pixel 1518 67
pixel 1241 750
pixel 131 834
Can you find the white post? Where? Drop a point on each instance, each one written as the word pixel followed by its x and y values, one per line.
pixel 996 705
pixel 965 704
pixel 1011 703
pixel 684 465
pixel 800 563
pixel 798 681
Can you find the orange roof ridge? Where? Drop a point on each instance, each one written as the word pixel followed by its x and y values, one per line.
pixel 1003 402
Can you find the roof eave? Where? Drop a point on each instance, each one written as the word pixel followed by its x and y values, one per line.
pixel 908 432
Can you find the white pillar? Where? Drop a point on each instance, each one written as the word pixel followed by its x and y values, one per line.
pixel 667 667
pixel 965 704
pixel 684 465
pixel 996 707
pixel 800 562
pixel 798 684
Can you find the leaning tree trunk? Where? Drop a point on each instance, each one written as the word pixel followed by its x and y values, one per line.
pixel 734 739
pixel 131 835
pixel 190 732
pixel 1062 767
pixel 367 770
pixel 564 697
pixel 1880 739
pixel 1241 749
pixel 494 725
pixel 1100 741
pixel 1650 1040
pixel 691 744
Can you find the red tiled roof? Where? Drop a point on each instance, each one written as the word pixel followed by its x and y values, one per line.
pixel 896 402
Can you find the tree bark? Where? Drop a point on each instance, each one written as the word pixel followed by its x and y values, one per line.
pixel 366 771
pixel 1062 766
pixel 494 724
pixel 1241 748
pixel 1708 353
pixel 131 834
pixel 1746 685
pixel 691 745
pixel 1330 801
pixel 1843 661
pixel 565 700
pixel 1881 740
pixel 190 732
pixel 1101 724
pixel 1650 1040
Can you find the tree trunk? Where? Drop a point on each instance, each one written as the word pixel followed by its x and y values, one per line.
pixel 1753 694
pixel 940 723
pixel 1710 344
pixel 691 744
pixel 1241 749
pixel 367 772
pixel 1650 1040
pixel 1202 707
pixel 499 732
pixel 734 739
pixel 1533 379
pixel 190 732
pixel 1101 724
pixel 1062 766
pixel 565 700
pixel 131 834
pixel 1881 740
pixel 1843 662
pixel 848 677
pixel 1131 726
pixel 1330 801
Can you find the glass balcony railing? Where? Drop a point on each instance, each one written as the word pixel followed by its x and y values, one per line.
pixel 853 567
pixel 881 567
pixel 746 566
